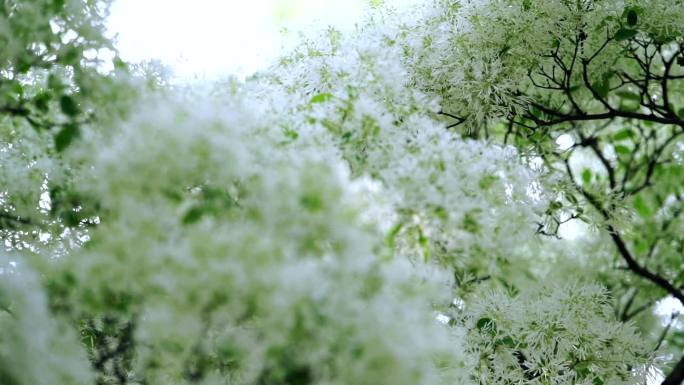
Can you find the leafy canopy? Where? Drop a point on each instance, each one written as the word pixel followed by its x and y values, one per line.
pixel 388 205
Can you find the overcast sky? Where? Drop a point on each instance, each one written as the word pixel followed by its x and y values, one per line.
pixel 216 37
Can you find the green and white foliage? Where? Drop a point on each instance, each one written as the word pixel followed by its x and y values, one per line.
pixel 53 83
pixel 35 348
pixel 327 221
pixel 458 202
pixel 605 78
pixel 552 335
pixel 232 259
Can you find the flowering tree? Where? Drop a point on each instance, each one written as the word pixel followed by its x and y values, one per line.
pixel 384 206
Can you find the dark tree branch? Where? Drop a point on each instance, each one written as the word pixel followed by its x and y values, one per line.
pixel 661 339
pixel 621 246
pixel 459 119
pixel 676 376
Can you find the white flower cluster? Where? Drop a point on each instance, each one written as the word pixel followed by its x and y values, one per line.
pixel 460 202
pixel 241 259
pixel 554 334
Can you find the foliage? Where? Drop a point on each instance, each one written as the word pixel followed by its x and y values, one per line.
pixel 382 206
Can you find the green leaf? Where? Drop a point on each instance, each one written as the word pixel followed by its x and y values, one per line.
pixel 486 325
pixel 193 215
pixel 602 87
pixel 582 369
pixel 629 105
pixel 624 34
pixel 487 181
pixel 629 95
pixel 598 381
pixel 42 101
pixel 441 213
pixel 392 234
pixel 119 64
pixel 57 5
pixel 70 218
pixel 586 176
pixel 506 341
pixel 470 224
pixel 330 125
pixel 18 89
pixel 680 113
pixel 66 136
pixel 631 20
pixel 68 105
pixel 320 98
pixel 312 202
pixel 623 134
pixel 291 134
pixel 482 322
pixel 622 150
pixel 55 83
pixel 70 56
pixel 23 63
pixel 641 207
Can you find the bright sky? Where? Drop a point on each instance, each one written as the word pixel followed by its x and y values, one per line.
pixel 209 38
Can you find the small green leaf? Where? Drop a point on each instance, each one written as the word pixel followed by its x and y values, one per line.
pixel 17 88
pixel 55 83
pixel 119 64
pixel 312 202
pixel 582 369
pixel 470 224
pixel 598 381
pixel 586 176
pixel 624 34
pixel 330 125
pixel 680 113
pixel 392 234
pixel 629 95
pixel 623 134
pixel 506 341
pixel 57 5
pixel 487 181
pixel 70 56
pixel 423 241
pixel 23 63
pixel 602 87
pixel 68 105
pixel 622 150
pixel 70 218
pixel 641 207
pixel 66 136
pixel 487 325
pixel 482 322
pixel 631 21
pixel 193 215
pixel 441 213
pixel 42 100
pixel 290 133
pixel 320 98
